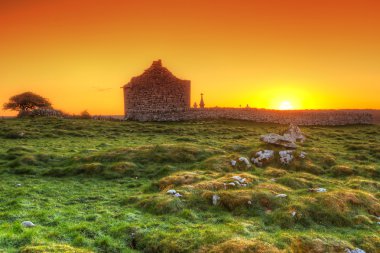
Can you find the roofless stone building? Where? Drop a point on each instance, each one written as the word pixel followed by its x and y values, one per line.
pixel 157 95
pixel 156 92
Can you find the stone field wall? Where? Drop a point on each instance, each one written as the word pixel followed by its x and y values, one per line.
pixel 299 117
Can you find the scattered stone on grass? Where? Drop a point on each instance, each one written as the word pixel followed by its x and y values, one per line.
pixel 303 155
pixel 281 195
pixel 215 199
pixel 172 192
pixel 233 163
pixel 27 224
pixel 294 133
pixel 278 140
pixel 286 156
pixel 246 161
pixel 318 189
pixel 288 138
pixel 357 250
pixel 262 156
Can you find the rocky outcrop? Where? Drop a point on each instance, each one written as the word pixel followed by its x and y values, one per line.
pixel 263 157
pixel 288 138
pixel 278 140
pixel 294 133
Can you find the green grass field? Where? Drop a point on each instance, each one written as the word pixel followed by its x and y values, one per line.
pixel 100 186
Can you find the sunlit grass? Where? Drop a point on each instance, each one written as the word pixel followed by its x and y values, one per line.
pixel 100 186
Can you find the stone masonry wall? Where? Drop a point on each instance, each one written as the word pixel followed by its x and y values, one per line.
pixel 156 90
pixel 301 117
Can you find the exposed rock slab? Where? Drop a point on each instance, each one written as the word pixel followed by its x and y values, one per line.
pixel 294 133
pixel 278 140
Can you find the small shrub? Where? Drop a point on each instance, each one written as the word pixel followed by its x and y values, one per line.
pixel 85 115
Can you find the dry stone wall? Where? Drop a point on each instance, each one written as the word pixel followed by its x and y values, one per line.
pixel 299 117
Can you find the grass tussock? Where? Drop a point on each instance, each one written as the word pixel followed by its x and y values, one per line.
pixel 339 208
pixel 274 172
pixel 161 204
pixel 181 178
pixel 342 170
pixel 56 248
pixel 222 181
pixel 305 244
pixel 241 245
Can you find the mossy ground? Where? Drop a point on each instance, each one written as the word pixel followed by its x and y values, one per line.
pixel 99 186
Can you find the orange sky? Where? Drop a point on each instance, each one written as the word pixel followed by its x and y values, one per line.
pixel 313 54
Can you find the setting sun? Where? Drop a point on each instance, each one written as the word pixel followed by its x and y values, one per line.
pixel 286 105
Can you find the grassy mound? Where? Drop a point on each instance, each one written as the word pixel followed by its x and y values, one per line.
pixel 240 245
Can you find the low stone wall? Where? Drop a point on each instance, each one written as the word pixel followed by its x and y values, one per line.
pixel 299 117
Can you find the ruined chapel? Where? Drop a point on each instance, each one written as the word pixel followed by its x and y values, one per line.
pixel 157 95
pixel 156 91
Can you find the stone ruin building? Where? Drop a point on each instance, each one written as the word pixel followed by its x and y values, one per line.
pixel 157 91
pixel 157 95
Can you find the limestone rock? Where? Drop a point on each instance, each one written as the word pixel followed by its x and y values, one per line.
pixel 281 195
pixel 318 190
pixel 288 138
pixel 246 161
pixel 239 179
pixel 294 133
pixel 215 199
pixel 262 157
pixel 357 250
pixel 286 156
pixel 28 224
pixel 303 155
pixel 278 140
pixel 172 192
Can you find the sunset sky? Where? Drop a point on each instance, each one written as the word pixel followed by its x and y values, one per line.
pixel 268 54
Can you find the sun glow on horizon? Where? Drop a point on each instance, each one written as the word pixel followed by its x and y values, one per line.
pixel 286 105
pixel 79 53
